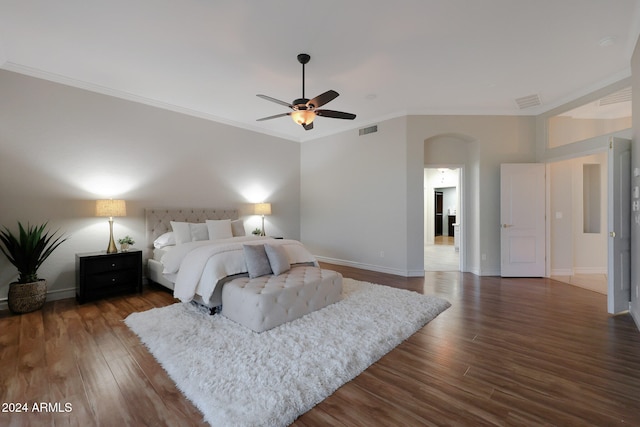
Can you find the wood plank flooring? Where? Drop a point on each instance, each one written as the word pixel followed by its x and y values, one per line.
pixel 508 352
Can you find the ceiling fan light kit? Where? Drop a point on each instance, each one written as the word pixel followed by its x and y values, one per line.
pixel 303 117
pixel 304 111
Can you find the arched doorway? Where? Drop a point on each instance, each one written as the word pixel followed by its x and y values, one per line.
pixel 447 161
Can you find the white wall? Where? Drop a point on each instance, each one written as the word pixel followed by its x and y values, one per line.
pixel 561 218
pixel 480 144
pixel 635 163
pixel 354 198
pixel 590 253
pixel 572 250
pixel 364 196
pixel 61 148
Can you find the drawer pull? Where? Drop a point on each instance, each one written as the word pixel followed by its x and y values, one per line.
pixel 113 265
pixel 113 280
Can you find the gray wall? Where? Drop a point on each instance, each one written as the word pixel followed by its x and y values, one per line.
pixel 364 196
pixel 635 163
pixel 354 198
pixel 480 144
pixel 61 148
pixel 572 251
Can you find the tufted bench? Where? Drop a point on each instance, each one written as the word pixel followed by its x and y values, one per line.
pixel 267 301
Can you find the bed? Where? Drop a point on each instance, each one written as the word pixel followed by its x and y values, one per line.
pixel 194 252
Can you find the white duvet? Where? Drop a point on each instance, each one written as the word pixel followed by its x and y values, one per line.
pixel 200 265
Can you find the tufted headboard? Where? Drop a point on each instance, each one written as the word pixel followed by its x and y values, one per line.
pixel 158 221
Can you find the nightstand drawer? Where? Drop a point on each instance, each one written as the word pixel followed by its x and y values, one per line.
pixel 106 264
pixel 102 280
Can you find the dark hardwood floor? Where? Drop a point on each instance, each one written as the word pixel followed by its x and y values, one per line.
pixel 508 352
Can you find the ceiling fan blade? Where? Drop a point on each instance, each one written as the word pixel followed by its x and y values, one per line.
pixel 335 114
pixel 277 101
pixel 308 127
pixel 273 117
pixel 322 99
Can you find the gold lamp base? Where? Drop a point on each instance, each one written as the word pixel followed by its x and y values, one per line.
pixel 112 249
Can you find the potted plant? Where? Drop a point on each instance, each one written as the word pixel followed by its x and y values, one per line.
pixel 125 242
pixel 256 232
pixel 27 252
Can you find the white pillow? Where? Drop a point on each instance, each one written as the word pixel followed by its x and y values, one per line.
pixel 167 239
pixel 189 232
pixel 199 232
pixel 181 231
pixel 237 228
pixel 219 228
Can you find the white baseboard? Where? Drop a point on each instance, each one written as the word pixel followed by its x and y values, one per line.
pixel 562 272
pixel 371 267
pixel 54 295
pixel 489 272
pixel 590 270
pixel 61 294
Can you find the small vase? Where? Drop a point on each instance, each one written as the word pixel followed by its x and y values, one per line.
pixel 124 247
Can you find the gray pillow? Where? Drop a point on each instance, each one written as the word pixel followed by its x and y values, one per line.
pixel 257 261
pixel 278 258
pixel 237 228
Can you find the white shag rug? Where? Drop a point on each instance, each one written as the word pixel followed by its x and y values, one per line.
pixel 238 377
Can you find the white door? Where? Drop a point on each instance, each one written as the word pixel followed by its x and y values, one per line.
pixel 522 219
pixel 619 224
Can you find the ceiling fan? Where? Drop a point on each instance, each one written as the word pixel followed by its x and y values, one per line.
pixel 305 110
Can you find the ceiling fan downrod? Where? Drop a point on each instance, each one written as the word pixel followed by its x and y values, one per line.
pixel 303 58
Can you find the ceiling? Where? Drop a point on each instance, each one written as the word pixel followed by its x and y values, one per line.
pixel 385 58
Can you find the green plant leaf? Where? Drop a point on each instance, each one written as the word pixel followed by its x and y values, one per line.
pixel 29 249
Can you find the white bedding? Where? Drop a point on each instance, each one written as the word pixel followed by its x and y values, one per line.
pixel 159 253
pixel 200 265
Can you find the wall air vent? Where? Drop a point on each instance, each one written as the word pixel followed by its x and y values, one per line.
pixel 528 101
pixel 623 95
pixel 366 131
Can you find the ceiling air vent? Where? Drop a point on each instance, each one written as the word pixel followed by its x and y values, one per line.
pixel 623 95
pixel 528 101
pixel 366 131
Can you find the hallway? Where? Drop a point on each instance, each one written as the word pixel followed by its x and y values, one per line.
pixel 441 256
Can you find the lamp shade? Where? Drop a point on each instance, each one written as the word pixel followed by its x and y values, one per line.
pixel 111 208
pixel 262 209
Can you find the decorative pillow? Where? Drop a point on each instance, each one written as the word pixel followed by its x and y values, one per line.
pixel 189 232
pixel 257 260
pixel 237 228
pixel 278 258
pixel 219 228
pixel 199 232
pixel 167 239
pixel 181 231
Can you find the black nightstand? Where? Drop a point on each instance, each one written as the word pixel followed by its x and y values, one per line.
pixel 100 275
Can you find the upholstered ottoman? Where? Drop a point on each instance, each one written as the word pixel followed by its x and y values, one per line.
pixel 265 302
